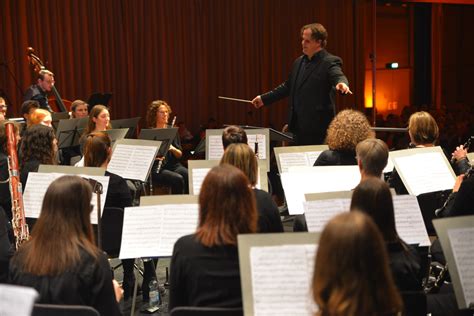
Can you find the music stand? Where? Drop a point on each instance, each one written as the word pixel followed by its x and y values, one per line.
pixel 69 132
pixel 130 123
pixel 98 98
pixel 275 136
pixel 57 116
pixel 116 134
pixel 165 135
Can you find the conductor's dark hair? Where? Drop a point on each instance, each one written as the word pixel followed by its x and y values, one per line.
pixel 318 33
pixel 233 135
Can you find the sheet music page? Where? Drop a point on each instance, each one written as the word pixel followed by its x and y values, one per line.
pixel 288 160
pixel 151 231
pixel 261 140
pixel 281 279
pixel 198 177
pixel 16 300
pixel 425 173
pixel 462 244
pixel 38 183
pixel 312 156
pixel 215 147
pixel 319 212
pixel 296 183
pixel 389 167
pixel 409 220
pixel 132 162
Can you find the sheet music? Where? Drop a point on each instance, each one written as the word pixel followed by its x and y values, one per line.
pixel 38 183
pixel 389 167
pixel 462 244
pixel 299 159
pixel 151 231
pixel 132 162
pixel 319 212
pixel 261 140
pixel 296 183
pixel 427 172
pixel 16 300
pixel 281 279
pixel 409 220
pixel 215 147
pixel 198 177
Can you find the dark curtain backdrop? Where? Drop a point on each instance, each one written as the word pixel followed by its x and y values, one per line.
pixel 187 52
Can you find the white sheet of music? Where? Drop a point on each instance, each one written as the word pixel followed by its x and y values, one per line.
pixel 300 159
pixel 38 183
pixel 389 167
pixel 319 212
pixel 16 300
pixel 301 180
pixel 427 172
pixel 409 221
pixel 215 147
pixel 462 244
pixel 131 161
pixel 261 140
pixel 198 177
pixel 281 279
pixel 151 231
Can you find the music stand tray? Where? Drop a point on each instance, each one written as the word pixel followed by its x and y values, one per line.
pixel 165 135
pixel 99 98
pixel 69 132
pixel 116 134
pixel 130 123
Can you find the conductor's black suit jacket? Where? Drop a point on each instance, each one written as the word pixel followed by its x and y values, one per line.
pixel 311 96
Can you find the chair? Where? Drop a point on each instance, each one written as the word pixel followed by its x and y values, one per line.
pixel 414 302
pixel 63 310
pixel 206 311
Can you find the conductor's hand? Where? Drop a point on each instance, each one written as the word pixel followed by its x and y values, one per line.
pixel 257 102
pixel 343 88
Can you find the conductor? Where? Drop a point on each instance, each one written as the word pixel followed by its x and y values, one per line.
pixel 311 86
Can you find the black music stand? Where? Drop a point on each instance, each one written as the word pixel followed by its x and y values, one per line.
pixel 57 116
pixel 165 135
pixel 69 132
pixel 130 123
pixel 116 134
pixel 275 136
pixel 98 98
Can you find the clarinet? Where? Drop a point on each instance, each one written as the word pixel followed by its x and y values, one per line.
pixel 160 162
pixel 20 228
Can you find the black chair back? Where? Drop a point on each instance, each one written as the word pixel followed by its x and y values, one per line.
pixel 63 310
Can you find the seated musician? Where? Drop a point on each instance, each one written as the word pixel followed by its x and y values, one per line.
pixel 243 157
pixel 40 116
pixel 79 109
pixel 61 260
pixel 3 109
pixel 38 146
pixel 39 91
pixel 99 121
pixel 27 108
pixel 233 135
pixel 352 274
pixel 172 172
pixel 205 265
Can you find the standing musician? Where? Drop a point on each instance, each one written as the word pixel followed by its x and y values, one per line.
pixel 310 88
pixel 40 90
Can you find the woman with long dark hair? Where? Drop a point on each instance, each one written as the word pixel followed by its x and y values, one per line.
pixel 61 260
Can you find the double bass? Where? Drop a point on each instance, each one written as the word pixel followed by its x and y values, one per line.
pixel 38 66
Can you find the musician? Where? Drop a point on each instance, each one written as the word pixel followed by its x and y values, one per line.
pixel 79 109
pixel 5 201
pixel 3 109
pixel 99 121
pixel 40 116
pixel 372 158
pixel 351 274
pixel 97 153
pixel 205 265
pixel 373 197
pixel 243 157
pixel 39 91
pixel 38 146
pixel 172 172
pixel 232 135
pixel 311 88
pixel 27 108
pixel 61 260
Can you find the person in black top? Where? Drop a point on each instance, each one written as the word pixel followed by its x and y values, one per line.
pixel 205 265
pixel 39 91
pixel 38 146
pixel 60 260
pixel 172 172
pixel 373 197
pixel 243 157
pixel 311 86
pixel 97 153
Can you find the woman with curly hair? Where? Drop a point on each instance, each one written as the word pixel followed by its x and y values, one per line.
pixel 172 172
pixel 39 146
pixel 352 274
pixel 346 130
